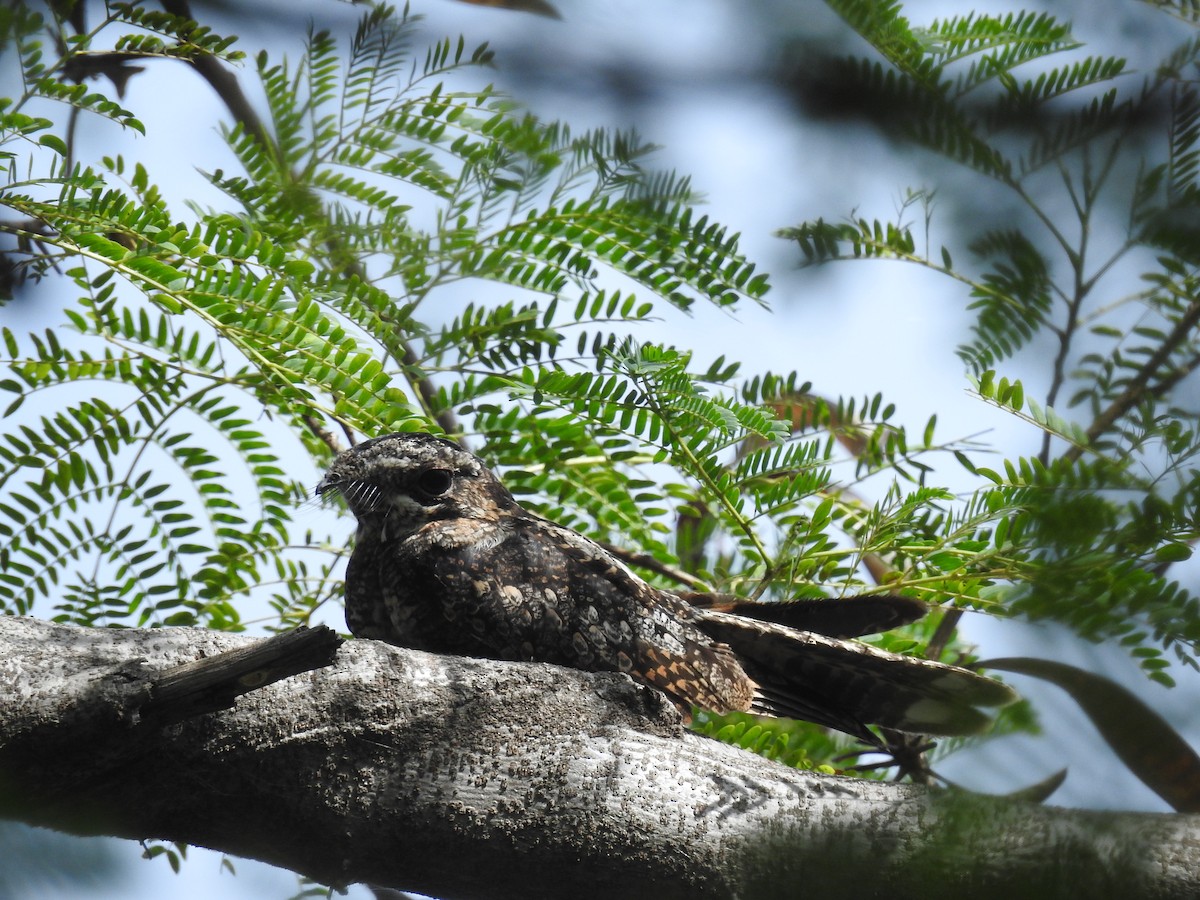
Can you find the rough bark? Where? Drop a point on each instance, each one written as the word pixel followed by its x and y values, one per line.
pixel 472 778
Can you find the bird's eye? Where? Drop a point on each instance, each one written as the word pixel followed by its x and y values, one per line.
pixel 434 482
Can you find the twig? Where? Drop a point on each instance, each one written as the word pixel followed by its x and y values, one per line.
pixel 212 684
pixel 646 561
pixel 323 434
pixel 943 633
pixel 226 85
pixel 1136 390
pixel 224 82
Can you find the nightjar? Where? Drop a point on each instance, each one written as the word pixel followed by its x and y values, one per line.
pixel 446 560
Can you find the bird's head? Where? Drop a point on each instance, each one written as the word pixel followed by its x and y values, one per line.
pixel 399 482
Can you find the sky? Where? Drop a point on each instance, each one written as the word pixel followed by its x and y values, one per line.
pixel 681 71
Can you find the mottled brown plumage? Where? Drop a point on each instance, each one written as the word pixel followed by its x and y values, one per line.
pixel 447 561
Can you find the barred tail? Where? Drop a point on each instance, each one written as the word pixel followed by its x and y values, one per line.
pixel 848 685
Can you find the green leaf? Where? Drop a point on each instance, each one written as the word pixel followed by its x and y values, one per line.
pixel 55 143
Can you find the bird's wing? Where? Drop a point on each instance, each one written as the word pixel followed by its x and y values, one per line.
pixel 848 685
pixel 617 613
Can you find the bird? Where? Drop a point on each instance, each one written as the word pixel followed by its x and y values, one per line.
pixel 446 560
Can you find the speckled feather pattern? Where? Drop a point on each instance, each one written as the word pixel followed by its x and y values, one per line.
pixel 446 560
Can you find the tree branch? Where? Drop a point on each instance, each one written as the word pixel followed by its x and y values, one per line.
pixel 225 83
pixel 473 778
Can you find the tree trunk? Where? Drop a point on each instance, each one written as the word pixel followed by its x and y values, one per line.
pixel 473 778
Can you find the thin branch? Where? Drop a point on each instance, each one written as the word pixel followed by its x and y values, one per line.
pixel 1136 391
pixel 1163 385
pixel 227 87
pixel 214 683
pixel 648 562
pixel 224 82
pixel 324 435
pixel 943 633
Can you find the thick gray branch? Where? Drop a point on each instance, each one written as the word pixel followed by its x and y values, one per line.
pixel 471 778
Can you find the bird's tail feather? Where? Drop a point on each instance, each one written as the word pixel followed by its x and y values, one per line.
pixel 847 685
